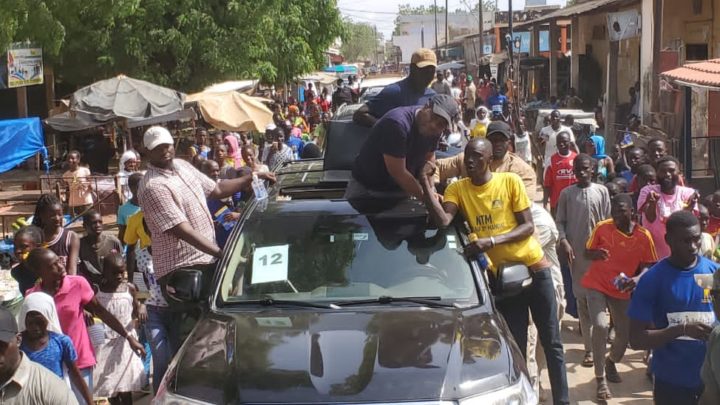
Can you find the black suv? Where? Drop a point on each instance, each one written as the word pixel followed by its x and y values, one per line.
pixel 319 300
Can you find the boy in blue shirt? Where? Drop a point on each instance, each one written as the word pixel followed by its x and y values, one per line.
pixel 669 315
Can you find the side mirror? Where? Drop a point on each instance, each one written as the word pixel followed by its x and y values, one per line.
pixel 512 279
pixel 186 286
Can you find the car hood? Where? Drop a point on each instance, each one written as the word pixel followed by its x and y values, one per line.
pixel 389 354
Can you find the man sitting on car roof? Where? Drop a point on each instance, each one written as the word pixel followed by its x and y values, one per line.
pixel 398 146
pixel 410 91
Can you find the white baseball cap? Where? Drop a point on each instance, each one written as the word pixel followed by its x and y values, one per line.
pixel 156 136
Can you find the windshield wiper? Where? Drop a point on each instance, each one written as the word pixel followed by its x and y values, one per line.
pixel 384 299
pixel 269 302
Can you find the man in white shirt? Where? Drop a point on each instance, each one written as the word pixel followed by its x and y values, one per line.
pixel 549 133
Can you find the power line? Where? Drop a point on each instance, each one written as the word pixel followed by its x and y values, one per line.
pixel 368 11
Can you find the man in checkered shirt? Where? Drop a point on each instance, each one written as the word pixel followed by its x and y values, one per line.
pixel 173 195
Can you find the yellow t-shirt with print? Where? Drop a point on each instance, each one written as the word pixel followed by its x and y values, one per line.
pixel 490 211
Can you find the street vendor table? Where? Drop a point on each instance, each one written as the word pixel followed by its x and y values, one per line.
pixel 14 211
pixel 19 196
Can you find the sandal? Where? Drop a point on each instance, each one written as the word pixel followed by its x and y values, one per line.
pixel 588 360
pixel 603 392
pixel 611 372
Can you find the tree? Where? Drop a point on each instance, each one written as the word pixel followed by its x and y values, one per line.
pixel 184 44
pixel 360 42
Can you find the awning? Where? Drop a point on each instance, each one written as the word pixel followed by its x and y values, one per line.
pixel 576 10
pixel 494 58
pixel 698 74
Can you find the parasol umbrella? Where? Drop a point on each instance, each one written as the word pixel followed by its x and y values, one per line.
pixel 125 97
pixel 232 111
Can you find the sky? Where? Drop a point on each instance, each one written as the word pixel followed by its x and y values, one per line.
pixel 382 13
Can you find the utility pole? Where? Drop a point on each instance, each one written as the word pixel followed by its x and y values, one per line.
pixel 436 42
pixel 447 27
pixel 480 29
pixel 511 42
pixel 376 46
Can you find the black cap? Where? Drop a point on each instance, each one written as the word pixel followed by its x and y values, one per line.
pixel 499 127
pixel 8 326
pixel 445 106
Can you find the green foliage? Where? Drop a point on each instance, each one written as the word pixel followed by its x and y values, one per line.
pixel 184 44
pixel 360 42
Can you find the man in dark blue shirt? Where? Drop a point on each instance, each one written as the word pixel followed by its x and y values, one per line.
pixel 671 315
pixel 398 147
pixel 410 91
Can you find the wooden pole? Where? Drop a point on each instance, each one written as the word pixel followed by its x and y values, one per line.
pixel 22 107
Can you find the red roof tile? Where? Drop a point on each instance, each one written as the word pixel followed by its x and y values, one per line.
pixel 705 73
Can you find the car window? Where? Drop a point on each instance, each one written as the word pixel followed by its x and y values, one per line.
pixel 321 257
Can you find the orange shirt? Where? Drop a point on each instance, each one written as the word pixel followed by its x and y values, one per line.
pixel 626 252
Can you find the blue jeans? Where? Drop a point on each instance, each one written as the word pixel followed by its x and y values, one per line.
pixel 87 375
pixel 540 299
pixel 162 329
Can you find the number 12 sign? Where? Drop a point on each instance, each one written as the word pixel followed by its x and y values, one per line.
pixel 270 263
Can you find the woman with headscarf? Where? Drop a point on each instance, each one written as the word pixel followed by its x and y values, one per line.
pixel 479 124
pixel 233 151
pixel 605 169
pixel 129 164
pixel 44 342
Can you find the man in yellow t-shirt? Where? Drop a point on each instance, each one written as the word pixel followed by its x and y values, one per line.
pixel 497 208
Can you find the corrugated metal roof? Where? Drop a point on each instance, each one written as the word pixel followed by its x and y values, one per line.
pixel 705 73
pixel 578 9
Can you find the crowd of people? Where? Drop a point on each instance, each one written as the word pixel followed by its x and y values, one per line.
pixel 618 242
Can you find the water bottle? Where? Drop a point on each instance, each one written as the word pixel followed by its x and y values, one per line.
pixel 620 281
pixel 482 258
pixel 259 188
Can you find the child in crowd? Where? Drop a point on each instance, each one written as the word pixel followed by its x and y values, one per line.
pixel 131 206
pixel 635 156
pixel 249 155
pixel 712 202
pixel 210 168
pixel 63 242
pixel 646 174
pixel 95 246
pixel 79 189
pixel 200 147
pixel 160 321
pixel 559 175
pixel 129 163
pixel 233 151
pixel 26 239
pixel 616 246
pixel 73 296
pixel 622 183
pixel 224 163
pixel 43 341
pixel 707 242
pixel 581 207
pixel 119 372
pixel 613 189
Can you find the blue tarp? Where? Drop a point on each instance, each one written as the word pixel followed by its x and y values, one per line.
pixel 20 139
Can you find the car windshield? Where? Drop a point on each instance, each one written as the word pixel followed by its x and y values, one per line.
pixel 321 257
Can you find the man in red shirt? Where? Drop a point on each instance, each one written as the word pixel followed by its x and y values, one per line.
pixel 560 172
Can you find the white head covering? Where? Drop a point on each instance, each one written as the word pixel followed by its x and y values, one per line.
pixel 44 304
pixel 486 120
pixel 128 155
